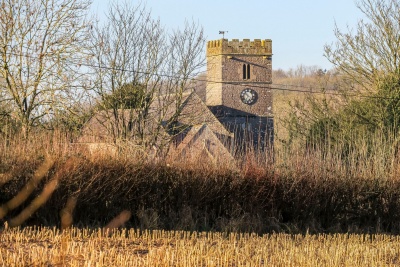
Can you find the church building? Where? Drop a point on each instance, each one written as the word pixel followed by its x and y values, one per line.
pixel 232 112
pixel 239 76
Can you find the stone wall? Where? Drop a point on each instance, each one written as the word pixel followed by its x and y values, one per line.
pixel 235 46
pixel 225 61
pixel 214 79
pixel 233 66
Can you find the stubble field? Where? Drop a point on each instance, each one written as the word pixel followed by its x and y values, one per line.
pixel 101 247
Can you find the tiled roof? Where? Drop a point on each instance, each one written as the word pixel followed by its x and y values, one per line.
pixel 192 112
pixel 201 142
pixel 195 112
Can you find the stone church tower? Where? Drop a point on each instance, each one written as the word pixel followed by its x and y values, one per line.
pixel 238 88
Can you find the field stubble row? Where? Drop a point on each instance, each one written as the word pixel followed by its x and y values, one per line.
pixel 99 247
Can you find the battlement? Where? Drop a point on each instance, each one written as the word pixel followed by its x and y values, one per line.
pixel 234 46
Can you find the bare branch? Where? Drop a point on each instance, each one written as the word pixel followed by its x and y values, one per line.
pixel 40 40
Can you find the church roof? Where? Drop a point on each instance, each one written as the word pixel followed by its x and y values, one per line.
pixel 105 124
pixel 195 112
pixel 201 142
pixel 191 112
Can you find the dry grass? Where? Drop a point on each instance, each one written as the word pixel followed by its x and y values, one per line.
pixel 302 190
pixel 45 182
pixel 84 247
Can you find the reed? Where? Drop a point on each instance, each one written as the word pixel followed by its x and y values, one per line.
pixel 300 190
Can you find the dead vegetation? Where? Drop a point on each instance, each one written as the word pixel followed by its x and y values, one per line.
pixel 300 191
pixel 85 247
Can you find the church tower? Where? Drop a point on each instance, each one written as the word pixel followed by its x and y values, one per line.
pixel 238 88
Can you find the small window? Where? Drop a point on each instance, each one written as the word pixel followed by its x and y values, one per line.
pixel 246 71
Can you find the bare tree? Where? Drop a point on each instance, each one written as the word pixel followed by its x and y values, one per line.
pixel 42 44
pixel 184 62
pixel 373 50
pixel 367 101
pixel 127 51
pixel 133 50
pixel 370 58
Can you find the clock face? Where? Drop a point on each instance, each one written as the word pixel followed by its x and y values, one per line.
pixel 248 96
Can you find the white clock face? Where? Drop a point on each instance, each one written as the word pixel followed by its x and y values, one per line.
pixel 248 96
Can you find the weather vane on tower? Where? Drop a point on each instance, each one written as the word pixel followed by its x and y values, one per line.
pixel 223 33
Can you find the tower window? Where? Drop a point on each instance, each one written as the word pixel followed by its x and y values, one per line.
pixel 246 71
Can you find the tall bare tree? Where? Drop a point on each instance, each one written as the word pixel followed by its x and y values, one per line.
pixel 372 51
pixel 42 44
pixel 127 51
pixel 134 51
pixel 185 60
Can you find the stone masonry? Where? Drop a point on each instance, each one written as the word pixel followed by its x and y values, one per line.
pixel 232 67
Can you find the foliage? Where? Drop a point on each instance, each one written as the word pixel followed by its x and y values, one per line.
pixel 69 121
pixel 8 126
pixel 359 118
pixel 139 64
pixel 388 103
pixel 367 101
pixel 128 96
pixel 373 50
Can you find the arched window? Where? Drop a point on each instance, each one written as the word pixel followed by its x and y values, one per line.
pixel 248 71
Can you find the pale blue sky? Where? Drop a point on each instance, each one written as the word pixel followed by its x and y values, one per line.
pixel 299 29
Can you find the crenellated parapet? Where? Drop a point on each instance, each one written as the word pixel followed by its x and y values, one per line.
pixel 237 47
